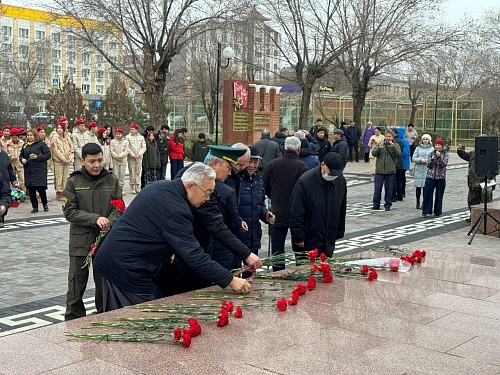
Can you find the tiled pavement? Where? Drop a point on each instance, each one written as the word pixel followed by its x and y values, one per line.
pixel 34 247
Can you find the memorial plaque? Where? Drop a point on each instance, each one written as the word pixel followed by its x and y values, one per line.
pixel 261 121
pixel 240 122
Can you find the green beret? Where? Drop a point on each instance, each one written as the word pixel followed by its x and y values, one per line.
pixel 227 153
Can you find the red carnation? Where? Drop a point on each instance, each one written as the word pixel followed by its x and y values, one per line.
pixel 311 283
pixel 295 298
pixel 118 204
pixel 324 268
pixel 322 257
pixel 222 320
pixel 238 313
pixel 177 334
pixel 281 304
pixel 364 269
pixel 224 312
pixel 312 255
pixel 314 269
pixel 186 339
pixel 193 322
pixel 372 275
pixel 328 278
pixel 229 307
pixel 301 289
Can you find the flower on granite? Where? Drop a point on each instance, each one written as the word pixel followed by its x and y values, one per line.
pixel 372 275
pixel 311 283
pixel 364 269
pixel 327 278
pixel 394 264
pixel 186 339
pixel 177 334
pixel 312 255
pixel 281 304
pixel 301 289
pixel 314 269
pixel 238 313
pixel 295 298
pixel 228 306
pixel 194 327
pixel 322 257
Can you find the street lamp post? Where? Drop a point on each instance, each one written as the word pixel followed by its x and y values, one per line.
pixel 438 82
pixel 228 54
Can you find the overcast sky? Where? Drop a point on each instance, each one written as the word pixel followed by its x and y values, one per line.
pixel 455 10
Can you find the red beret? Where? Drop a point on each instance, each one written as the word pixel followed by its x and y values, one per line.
pixel 7 127
pixel 61 123
pixel 79 121
pixel 41 127
pixel 21 131
pixel 134 126
pixel 63 119
pixel 101 130
pixel 91 124
pixel 1 133
pixel 119 130
pixel 14 131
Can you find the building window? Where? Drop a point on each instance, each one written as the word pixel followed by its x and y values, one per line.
pixel 112 46
pixel 86 58
pixel 6 48
pixel 99 89
pixel 85 89
pixel 71 72
pixel 24 33
pixel 99 59
pixel 24 51
pixel 71 57
pixel 6 31
pixel 71 40
pixel 56 54
pixel 39 35
pixel 100 74
pixel 56 70
pixel 99 44
pixel 86 74
pixel 56 38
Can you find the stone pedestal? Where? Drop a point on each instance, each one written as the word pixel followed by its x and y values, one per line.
pixel 492 227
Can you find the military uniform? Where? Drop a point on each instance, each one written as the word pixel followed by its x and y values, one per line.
pixel 475 194
pixel 137 146
pixel 119 150
pixel 13 150
pixel 62 153
pixel 87 200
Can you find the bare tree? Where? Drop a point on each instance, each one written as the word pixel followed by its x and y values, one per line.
pixel 380 34
pixel 152 32
pixel 306 44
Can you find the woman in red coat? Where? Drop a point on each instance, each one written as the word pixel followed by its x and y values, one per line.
pixel 175 153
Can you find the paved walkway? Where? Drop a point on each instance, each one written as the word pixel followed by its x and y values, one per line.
pixel 34 247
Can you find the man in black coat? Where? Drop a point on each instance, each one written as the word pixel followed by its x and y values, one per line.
pixel 353 133
pixel 318 207
pixel 340 145
pixel 4 198
pixel 279 179
pixel 323 142
pixel 400 178
pixel 154 231
pixel 279 138
pixel 268 150
pixel 162 141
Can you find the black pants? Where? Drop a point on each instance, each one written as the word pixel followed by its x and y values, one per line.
pixel 42 191
pixel 356 150
pixel 398 191
pixel 278 239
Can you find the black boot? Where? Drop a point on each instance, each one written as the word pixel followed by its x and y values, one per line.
pixel 46 208
pixel 418 205
pixel 34 210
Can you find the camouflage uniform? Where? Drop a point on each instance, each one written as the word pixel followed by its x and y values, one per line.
pixel 475 195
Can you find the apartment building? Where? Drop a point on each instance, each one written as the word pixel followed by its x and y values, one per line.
pixel 39 44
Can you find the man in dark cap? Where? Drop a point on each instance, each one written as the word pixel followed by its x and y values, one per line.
pixel 340 145
pixel 318 207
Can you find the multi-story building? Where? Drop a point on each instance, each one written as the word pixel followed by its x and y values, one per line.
pixel 46 47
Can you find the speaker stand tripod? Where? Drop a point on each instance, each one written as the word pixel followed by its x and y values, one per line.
pixel 484 215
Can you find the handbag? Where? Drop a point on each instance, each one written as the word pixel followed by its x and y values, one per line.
pixel 411 172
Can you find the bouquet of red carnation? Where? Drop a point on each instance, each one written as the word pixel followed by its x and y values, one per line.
pixel 117 210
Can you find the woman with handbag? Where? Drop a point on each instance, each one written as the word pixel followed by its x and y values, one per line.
pixel 423 150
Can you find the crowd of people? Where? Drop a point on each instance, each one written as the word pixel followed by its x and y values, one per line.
pixel 192 230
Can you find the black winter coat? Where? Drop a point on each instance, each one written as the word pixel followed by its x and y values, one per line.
pixel 340 147
pixel 35 171
pixel 352 133
pixel 267 150
pixel 6 168
pixel 229 209
pixel 280 177
pixel 399 160
pixel 252 209
pixel 157 224
pixel 4 193
pixel 317 211
pixel 324 147
pixel 162 143
pixel 280 139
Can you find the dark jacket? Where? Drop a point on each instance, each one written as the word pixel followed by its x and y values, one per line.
pixel 252 209
pixel 399 160
pixel 314 131
pixel 157 224
pixel 162 142
pixel 200 151
pixel 6 168
pixel 280 139
pixel 352 134
pixel 267 150
pixel 340 147
pixel 229 209
pixel 208 222
pixel 4 193
pixel 473 180
pixel 306 155
pixel 35 171
pixel 317 211
pixel 87 199
pixel 151 158
pixel 279 179
pixel 324 147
